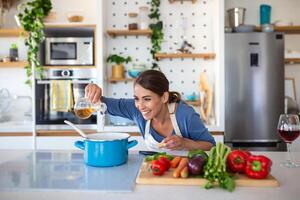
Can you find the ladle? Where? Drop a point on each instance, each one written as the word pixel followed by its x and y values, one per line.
pixel 77 129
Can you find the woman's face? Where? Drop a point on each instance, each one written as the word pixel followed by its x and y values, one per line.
pixel 148 103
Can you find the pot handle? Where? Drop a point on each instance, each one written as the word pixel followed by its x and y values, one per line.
pixel 80 145
pixel 131 143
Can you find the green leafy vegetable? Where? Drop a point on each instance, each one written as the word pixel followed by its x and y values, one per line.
pixel 156 156
pixel 215 168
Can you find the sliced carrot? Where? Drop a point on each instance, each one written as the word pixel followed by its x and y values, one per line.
pixel 175 161
pixel 183 163
pixel 185 172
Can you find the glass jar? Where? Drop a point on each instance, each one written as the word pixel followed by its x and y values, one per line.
pixel 132 21
pixel 143 17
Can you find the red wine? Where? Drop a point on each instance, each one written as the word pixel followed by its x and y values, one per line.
pixel 289 136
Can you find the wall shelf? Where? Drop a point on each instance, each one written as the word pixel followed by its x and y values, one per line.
pixel 114 33
pixel 292 60
pixel 16 64
pixel 69 67
pixel 285 29
pixel 114 80
pixel 70 25
pixel 13 32
pixel 172 1
pixel 185 55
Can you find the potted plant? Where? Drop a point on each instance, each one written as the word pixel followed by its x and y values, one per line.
pixel 118 70
pixel 31 16
pixel 13 52
pixel 5 6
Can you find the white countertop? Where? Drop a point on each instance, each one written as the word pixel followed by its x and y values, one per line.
pixel 288 179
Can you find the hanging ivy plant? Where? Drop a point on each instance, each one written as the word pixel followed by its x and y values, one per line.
pixel 31 16
pixel 157 34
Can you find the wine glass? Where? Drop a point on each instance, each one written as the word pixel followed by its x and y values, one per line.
pixel 289 130
pixel 84 108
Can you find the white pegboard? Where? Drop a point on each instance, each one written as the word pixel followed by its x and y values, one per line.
pixel 183 74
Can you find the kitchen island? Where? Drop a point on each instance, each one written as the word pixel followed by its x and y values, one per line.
pixel 288 189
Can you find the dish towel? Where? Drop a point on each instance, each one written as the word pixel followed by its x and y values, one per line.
pixel 61 96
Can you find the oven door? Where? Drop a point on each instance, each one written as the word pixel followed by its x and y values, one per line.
pixel 46 116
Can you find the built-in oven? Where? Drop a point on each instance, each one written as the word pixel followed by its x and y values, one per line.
pixel 78 79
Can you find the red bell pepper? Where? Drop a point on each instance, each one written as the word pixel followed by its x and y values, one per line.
pixel 237 160
pixel 165 162
pixel 158 168
pixel 258 166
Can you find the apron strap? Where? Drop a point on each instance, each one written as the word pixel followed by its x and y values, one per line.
pixel 172 109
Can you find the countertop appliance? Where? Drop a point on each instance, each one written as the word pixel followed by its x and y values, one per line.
pixel 69 51
pixel 254 90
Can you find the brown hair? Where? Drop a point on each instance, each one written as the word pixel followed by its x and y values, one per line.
pixel 157 82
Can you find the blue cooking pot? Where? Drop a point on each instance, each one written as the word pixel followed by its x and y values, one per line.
pixel 106 149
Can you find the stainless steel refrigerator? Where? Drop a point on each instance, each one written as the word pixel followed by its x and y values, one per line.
pixel 254 90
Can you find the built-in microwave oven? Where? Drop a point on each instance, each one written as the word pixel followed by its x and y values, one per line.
pixel 69 51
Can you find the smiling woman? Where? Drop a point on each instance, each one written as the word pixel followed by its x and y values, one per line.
pixel 161 115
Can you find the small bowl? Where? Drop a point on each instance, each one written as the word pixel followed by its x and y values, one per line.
pixel 75 16
pixel 267 28
pixel 191 97
pixel 134 72
pixel 245 28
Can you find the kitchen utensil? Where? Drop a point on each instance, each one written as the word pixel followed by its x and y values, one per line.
pixel 236 16
pixel 77 129
pixel 146 177
pixel 245 28
pixel 265 14
pixel 106 149
pixel 267 28
pixel 84 108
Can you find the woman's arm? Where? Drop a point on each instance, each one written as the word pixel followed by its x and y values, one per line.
pixel 117 107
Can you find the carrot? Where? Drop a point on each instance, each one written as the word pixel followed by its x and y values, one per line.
pixel 183 163
pixel 185 172
pixel 175 161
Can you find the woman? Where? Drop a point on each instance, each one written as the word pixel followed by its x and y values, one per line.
pixel 163 119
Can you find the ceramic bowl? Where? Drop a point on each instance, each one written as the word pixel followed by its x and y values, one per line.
pixel 134 72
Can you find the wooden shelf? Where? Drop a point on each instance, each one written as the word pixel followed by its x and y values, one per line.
pixel 70 25
pixel 69 66
pixel 13 32
pixel 114 33
pixel 113 80
pixel 292 60
pixel 193 103
pixel 172 1
pixel 185 55
pixel 13 64
pixel 285 29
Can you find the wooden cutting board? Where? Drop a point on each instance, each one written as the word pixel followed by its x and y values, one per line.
pixel 146 177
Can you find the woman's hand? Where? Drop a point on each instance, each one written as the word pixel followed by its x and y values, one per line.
pixel 174 142
pixel 93 92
